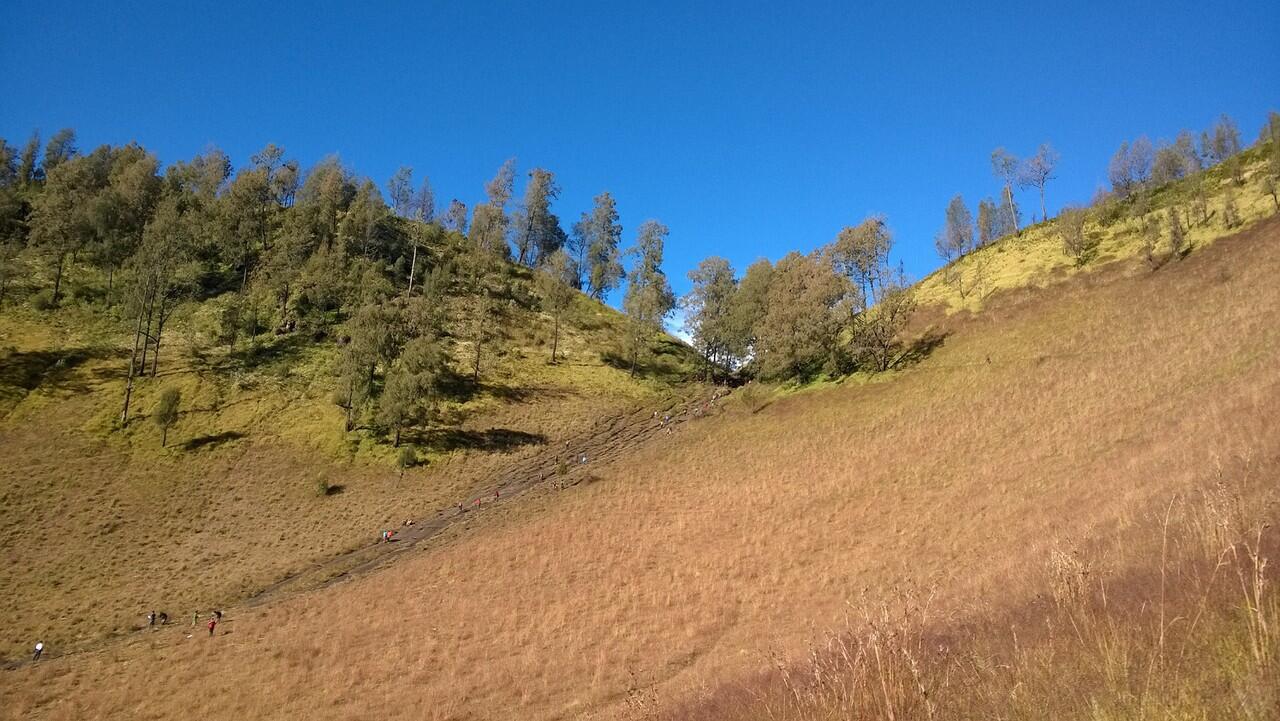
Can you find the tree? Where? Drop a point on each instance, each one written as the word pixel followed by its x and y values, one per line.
pixel 165 414
pixel 538 232
pixel 374 337
pixel 1150 239
pixel 746 309
pixel 860 253
pixel 489 221
pixel 956 238
pixel 60 222
pixel 990 223
pixel 1169 165
pixel 955 241
pixel 400 190
pixel 409 395
pixel 797 335
pixel 423 205
pixel 649 298
pixel 8 164
pixel 1225 140
pixel 29 171
pixel 555 284
pixel 707 309
pixel 1120 170
pixel 61 148
pixel 1037 171
pixel 1071 229
pixel 1230 215
pixel 1177 236
pixel 455 218
pixel 600 235
pixel 120 211
pixel 1005 166
pixel 874 332
pixel 1185 144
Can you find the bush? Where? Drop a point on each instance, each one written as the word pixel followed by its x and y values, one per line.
pixel 43 300
pixel 322 487
pixel 408 458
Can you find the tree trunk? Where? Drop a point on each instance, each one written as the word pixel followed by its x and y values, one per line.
pixel 413 267
pixel 396 444
pixel 1008 199
pixel 155 354
pixel 133 360
pixel 475 374
pixel 1044 214
pixel 555 340
pixel 146 336
pixel 111 272
pixel 57 278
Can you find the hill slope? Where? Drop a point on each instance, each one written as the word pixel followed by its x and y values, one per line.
pixel 1053 415
pixel 260 481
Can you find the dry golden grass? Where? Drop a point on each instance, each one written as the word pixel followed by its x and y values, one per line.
pixel 1051 416
pixel 100 527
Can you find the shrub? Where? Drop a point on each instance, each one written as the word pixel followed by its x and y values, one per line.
pixel 408 458
pixel 43 300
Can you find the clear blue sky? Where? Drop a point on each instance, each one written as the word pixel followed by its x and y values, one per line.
pixel 750 129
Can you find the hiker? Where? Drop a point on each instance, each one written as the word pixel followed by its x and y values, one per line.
pixel 195 618
pixel 213 623
pixel 39 651
pixel 217 615
pixel 151 618
pixel 164 618
pixel 583 460
pixel 496 494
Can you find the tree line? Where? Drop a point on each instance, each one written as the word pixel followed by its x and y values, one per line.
pixel 274 250
pixel 1136 171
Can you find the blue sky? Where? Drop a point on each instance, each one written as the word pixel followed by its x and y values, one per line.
pixel 750 129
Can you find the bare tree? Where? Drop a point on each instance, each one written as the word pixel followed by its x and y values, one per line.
pixel 1037 171
pixel 1071 230
pixel 1005 166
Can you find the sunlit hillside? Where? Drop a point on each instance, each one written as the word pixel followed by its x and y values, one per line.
pixel 260 481
pixel 1060 420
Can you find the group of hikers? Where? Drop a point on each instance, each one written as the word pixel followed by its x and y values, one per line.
pixel 153 619
pixel 162 619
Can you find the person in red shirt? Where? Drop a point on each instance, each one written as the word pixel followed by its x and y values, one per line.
pixel 213 623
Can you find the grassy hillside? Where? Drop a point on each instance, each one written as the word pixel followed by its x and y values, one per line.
pixel 1058 417
pixel 104 524
pixel 1035 256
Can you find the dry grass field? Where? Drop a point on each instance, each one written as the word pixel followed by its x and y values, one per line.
pixel 1056 418
pixel 99 527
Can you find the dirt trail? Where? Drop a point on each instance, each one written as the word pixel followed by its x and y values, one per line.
pixel 610 437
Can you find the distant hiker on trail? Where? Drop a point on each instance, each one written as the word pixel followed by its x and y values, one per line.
pixel 195 617
pixel 217 615
pixel 39 651
pixel 213 623
pixel 164 618
pixel 496 494
pixel 151 618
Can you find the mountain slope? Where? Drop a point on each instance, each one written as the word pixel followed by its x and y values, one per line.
pixel 1052 415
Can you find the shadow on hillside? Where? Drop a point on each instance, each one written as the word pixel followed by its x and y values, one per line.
pixel 492 439
pixel 282 348
pixel 212 440
pixel 922 348
pixel 23 372
pixel 663 362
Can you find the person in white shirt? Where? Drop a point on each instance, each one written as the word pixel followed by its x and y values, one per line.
pixel 39 651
